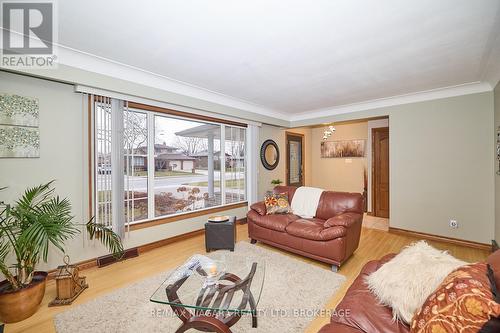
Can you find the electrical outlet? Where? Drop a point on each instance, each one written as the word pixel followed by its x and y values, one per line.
pixel 454 224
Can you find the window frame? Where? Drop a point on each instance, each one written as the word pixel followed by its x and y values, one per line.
pixel 152 111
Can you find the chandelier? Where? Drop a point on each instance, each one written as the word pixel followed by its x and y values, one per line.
pixel 328 132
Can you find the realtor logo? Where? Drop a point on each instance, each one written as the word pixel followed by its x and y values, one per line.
pixel 28 34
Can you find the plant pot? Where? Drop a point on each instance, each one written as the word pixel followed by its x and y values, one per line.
pixel 17 305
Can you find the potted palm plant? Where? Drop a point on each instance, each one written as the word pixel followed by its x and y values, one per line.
pixel 37 220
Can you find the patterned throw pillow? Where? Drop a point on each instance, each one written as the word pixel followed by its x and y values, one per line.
pixel 462 303
pixel 277 203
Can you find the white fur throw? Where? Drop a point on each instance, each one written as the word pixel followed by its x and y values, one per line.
pixel 405 282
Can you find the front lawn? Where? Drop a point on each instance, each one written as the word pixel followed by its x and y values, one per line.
pixel 230 183
pixel 165 173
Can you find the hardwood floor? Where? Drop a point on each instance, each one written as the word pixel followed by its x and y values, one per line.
pixel 373 222
pixel 374 244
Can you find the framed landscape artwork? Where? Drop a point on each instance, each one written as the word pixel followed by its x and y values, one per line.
pixel 19 134
pixel 343 149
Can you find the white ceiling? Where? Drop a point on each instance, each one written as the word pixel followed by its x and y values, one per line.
pixel 290 58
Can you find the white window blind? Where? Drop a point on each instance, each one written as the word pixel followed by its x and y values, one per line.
pixel 108 149
pixel 252 158
pixel 235 177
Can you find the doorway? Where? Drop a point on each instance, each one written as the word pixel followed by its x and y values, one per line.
pixel 380 171
pixel 294 159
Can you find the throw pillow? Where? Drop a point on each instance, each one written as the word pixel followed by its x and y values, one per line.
pixel 405 282
pixel 277 204
pixel 463 302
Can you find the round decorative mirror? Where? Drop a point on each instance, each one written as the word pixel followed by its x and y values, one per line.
pixel 269 154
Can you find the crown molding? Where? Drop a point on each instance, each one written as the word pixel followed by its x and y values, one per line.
pixel 103 66
pixel 458 90
pixel 489 68
pixel 93 63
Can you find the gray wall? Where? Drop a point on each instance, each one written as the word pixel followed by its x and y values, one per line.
pixel 441 164
pixel 63 157
pixel 278 134
pixel 497 177
pixel 442 167
pixel 265 176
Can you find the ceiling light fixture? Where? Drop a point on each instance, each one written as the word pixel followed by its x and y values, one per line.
pixel 328 132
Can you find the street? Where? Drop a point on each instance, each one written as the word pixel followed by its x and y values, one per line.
pixel 171 183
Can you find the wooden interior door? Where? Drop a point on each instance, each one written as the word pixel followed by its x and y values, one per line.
pixel 380 139
pixel 294 159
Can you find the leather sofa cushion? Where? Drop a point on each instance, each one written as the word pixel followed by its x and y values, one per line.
pixel 494 262
pixel 314 229
pixel 276 222
pixel 364 311
pixel 335 203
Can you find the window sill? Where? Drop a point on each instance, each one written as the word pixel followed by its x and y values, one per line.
pixel 183 216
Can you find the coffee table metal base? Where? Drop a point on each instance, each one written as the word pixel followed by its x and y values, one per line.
pixel 210 324
pixel 212 320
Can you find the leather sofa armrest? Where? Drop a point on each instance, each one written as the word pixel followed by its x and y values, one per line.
pixel 343 220
pixel 259 207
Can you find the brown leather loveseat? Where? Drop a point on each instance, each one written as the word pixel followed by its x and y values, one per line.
pixel 331 236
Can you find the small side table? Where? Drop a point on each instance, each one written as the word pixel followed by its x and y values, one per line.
pixel 220 235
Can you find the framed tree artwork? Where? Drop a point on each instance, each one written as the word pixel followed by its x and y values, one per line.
pixel 343 149
pixel 19 133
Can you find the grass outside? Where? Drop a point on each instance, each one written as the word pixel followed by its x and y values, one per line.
pixel 165 173
pixel 238 169
pixel 105 195
pixel 231 183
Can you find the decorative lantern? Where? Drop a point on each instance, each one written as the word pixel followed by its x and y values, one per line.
pixel 69 284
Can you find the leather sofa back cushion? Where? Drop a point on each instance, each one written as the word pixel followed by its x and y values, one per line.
pixel 405 282
pixel 331 203
pixel 334 203
pixel 289 190
pixel 494 262
pixel 360 308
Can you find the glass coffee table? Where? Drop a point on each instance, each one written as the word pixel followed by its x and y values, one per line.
pixel 211 294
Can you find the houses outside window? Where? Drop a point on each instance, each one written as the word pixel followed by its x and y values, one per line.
pixel 171 164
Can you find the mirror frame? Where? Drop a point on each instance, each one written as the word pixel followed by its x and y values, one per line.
pixel 266 163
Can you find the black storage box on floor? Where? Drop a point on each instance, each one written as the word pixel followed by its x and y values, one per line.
pixel 220 235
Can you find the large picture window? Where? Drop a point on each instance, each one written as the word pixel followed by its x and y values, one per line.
pixel 172 164
pixel 187 165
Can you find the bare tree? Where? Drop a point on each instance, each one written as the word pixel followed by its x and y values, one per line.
pixel 191 145
pixel 135 131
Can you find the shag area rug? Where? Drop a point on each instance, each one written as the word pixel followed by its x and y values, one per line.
pixel 294 293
